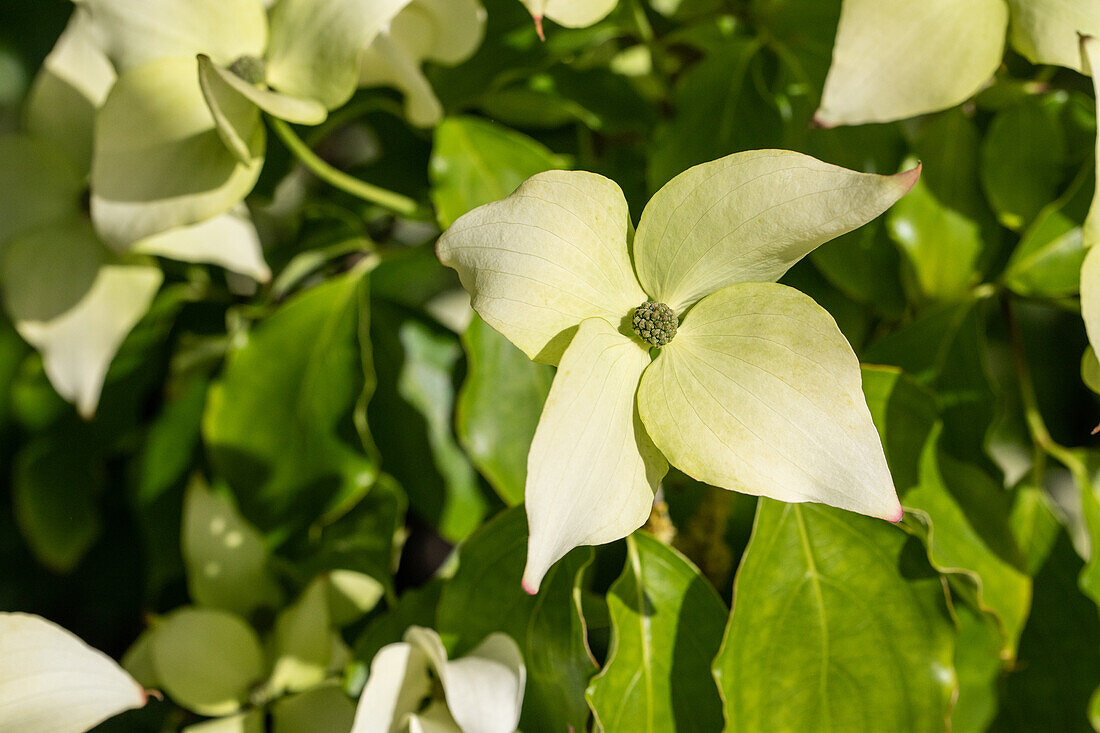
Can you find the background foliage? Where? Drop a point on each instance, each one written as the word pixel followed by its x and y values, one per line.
pixel 350 423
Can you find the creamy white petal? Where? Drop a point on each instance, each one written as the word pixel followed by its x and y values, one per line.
pixel 749 217
pixel 135 32
pixel 759 392
pixel 229 241
pixel 1090 54
pixel 570 13
pixel 1046 31
pixel 52 682
pixel 542 260
pixel 592 469
pixel 71 300
pixel 397 685
pixel 898 58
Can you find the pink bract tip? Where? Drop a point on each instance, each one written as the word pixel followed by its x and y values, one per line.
pixel 538 27
pixel 820 123
pixel 910 177
pixel 898 515
pixel 529 588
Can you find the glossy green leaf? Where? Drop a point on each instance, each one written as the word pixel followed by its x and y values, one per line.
pixel 275 422
pixel 749 217
pixel 484 596
pixel 207 660
pixel 896 59
pixel 794 657
pixel 302 642
pixel 1047 261
pixel 475 162
pixel 225 556
pixel 50 680
pixel 159 161
pixel 323 709
pixel 759 392
pixel 1023 154
pixel 666 627
pixel 499 407
pixel 979 667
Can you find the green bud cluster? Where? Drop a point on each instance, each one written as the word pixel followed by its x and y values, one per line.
pixel 250 68
pixel 655 323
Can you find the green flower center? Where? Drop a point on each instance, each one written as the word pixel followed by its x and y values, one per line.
pixel 655 323
pixel 251 69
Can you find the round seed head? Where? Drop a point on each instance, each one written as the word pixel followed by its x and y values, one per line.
pixel 654 323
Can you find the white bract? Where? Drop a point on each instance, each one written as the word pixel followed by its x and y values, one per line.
pixel 757 391
pixel 1090 235
pixel 569 13
pixel 895 58
pixel 69 293
pixel 179 139
pixel 52 682
pixel 443 31
pixel 481 693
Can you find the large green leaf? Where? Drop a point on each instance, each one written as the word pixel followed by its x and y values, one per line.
pixel 276 422
pixel 666 627
pixel 499 407
pixel 1023 153
pixel 476 161
pixel 838 624
pixel 485 596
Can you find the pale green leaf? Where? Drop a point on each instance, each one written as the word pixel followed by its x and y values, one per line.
pixel 1090 295
pixel 135 32
pixel 302 642
pixel 499 407
pixel 749 217
pixel 52 682
pixel 159 161
pixel 71 300
pixel 250 722
pixel 229 241
pixel 39 185
pixel 542 260
pixel 1090 370
pixel 286 459
pixel 476 162
pixel 224 555
pixel 666 627
pixel 836 626
pixel 351 595
pixel 897 58
pixel 324 709
pixel 315 48
pixel 1046 31
pixel 70 86
pixel 759 392
pixel 592 470
pixel 207 660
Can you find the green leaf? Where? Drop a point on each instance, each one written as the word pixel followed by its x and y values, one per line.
pixel 837 624
pixel 485 596
pixel 896 59
pixel 1022 159
pixel 499 407
pixel 207 660
pixel 416 397
pixel 39 185
pixel 225 556
pixel 1047 261
pixel 303 642
pixel 276 421
pixel 759 392
pixel 979 667
pixel 57 484
pixel 666 627
pixel 323 709
pixel 476 161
